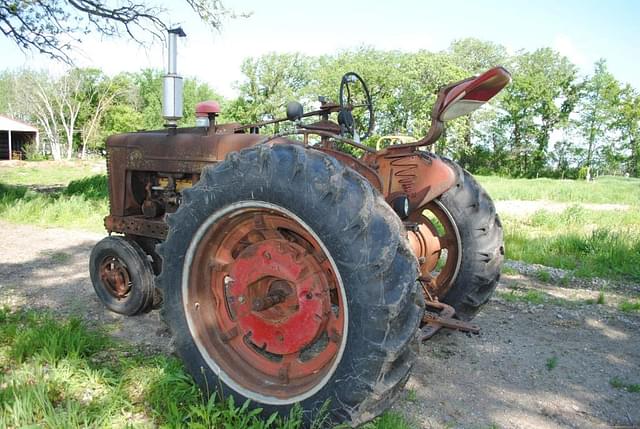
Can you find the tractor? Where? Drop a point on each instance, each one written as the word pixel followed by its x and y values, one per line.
pixel 299 267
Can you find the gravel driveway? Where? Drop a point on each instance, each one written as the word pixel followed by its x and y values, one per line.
pixel 532 366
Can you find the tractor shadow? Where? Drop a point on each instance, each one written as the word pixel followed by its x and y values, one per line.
pixel 536 365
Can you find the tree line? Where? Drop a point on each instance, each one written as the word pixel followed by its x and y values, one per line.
pixel 550 121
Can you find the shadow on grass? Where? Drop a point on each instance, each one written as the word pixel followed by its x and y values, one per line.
pixel 83 204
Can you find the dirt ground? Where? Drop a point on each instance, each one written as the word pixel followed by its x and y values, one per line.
pixel 504 377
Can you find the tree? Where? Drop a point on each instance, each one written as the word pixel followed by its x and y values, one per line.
pixel 52 27
pixel 540 100
pixel 270 82
pixel 627 122
pixel 597 109
pixel 474 56
pixel 96 95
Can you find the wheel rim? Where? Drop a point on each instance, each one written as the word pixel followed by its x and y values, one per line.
pixel 264 302
pixel 115 277
pixel 437 244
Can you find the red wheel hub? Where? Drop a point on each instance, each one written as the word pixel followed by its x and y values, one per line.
pixel 115 277
pixel 265 303
pixel 290 325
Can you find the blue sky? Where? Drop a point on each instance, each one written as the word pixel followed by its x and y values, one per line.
pixel 583 30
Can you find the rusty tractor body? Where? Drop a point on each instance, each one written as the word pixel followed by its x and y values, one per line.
pixel 247 238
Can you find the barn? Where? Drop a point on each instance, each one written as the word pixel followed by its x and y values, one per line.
pixel 14 135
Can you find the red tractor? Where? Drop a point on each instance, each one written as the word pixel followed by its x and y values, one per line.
pixel 290 271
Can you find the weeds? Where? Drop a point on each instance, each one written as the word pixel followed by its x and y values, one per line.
pixel 552 362
pixel 617 383
pixel 629 306
pixel 63 374
pixel 59 257
pixel 412 395
pixel 82 205
pixel 543 276
pixel 565 280
pixel 509 271
pixel 583 241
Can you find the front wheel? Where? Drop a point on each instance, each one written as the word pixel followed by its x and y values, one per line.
pixel 122 276
pixel 287 279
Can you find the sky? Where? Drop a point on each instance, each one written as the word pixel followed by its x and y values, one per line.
pixel 584 31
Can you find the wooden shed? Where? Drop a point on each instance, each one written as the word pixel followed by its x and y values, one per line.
pixel 14 135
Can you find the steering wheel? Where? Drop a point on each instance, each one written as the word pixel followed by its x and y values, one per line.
pixel 347 104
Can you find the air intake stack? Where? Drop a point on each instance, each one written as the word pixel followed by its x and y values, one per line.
pixel 172 82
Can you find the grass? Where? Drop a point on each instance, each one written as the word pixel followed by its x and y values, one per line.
pixel 587 242
pixel 47 173
pixel 62 374
pixel 617 383
pixel 509 271
pixel 83 204
pixel 628 306
pixel 543 276
pixel 552 362
pixel 603 190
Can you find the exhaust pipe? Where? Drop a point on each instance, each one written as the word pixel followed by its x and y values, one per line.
pixel 172 100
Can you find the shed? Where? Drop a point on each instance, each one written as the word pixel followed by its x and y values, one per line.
pixel 14 135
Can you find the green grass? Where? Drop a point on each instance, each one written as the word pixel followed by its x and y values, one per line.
pixel 587 242
pixel 57 373
pixel 605 189
pixel 628 306
pixel 509 271
pixel 543 276
pixel 622 385
pixel 83 204
pixel 552 362
pixel 47 173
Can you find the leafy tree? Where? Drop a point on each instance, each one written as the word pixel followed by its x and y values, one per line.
pixel 270 82
pixel 627 122
pixel 474 56
pixel 596 108
pixel 540 100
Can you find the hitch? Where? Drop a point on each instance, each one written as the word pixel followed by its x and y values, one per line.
pixel 439 315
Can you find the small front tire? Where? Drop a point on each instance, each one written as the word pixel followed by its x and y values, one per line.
pixel 122 276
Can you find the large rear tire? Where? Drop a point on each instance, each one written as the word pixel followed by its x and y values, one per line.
pixel 247 321
pixel 465 223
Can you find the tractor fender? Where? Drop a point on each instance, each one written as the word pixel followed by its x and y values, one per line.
pixel 421 176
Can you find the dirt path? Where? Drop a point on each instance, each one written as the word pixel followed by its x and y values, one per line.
pixel 499 378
